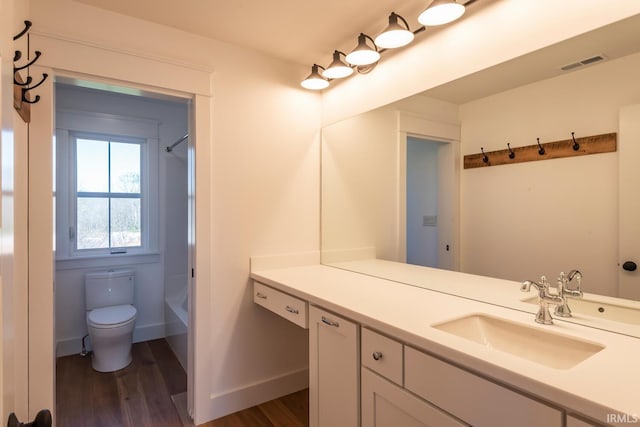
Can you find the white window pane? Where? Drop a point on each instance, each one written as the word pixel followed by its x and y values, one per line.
pixel 92 159
pixel 125 168
pixel 93 223
pixel 125 223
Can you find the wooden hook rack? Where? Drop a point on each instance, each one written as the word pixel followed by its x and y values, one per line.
pixel 595 144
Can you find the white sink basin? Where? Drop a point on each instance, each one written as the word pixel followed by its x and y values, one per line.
pixel 532 343
pixel 599 309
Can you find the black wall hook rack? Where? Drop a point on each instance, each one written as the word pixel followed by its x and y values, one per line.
pixel 21 97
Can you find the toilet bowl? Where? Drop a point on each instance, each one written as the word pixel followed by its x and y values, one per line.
pixel 111 318
pixel 111 335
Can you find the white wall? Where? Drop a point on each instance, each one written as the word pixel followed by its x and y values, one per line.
pixel 524 220
pixel 264 188
pixel 359 179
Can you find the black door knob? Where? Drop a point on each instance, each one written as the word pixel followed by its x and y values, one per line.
pixel 629 266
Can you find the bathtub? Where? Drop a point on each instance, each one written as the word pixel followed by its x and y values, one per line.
pixel 177 323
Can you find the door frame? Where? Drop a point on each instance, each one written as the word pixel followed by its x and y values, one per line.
pixel 75 60
pixel 628 203
pixel 447 134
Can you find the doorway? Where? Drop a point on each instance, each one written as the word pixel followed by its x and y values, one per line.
pixel 121 178
pixel 422 201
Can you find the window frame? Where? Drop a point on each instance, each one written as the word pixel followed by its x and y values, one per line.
pixel 142 195
pixel 72 124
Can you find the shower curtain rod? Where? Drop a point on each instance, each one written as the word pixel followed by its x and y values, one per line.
pixel 170 148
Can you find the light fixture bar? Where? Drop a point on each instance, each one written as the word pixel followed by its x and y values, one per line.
pixel 365 56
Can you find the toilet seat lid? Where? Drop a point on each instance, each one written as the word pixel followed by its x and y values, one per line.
pixel 107 316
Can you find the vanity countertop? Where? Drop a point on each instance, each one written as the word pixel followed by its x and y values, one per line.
pixel 500 292
pixel 605 383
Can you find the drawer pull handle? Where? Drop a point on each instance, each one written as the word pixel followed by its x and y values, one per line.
pixel 377 355
pixel 292 310
pixel 261 295
pixel 330 322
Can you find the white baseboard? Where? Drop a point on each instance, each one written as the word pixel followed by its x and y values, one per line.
pixel 69 346
pixel 256 393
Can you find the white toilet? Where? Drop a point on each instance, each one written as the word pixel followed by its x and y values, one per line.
pixel 110 318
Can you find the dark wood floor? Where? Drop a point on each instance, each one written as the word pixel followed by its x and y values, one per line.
pixel 140 395
pixel 287 411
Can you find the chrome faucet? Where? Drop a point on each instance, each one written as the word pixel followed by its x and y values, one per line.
pixel 565 291
pixel 545 298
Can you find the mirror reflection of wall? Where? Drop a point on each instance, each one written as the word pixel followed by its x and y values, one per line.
pixel 365 164
pixel 516 221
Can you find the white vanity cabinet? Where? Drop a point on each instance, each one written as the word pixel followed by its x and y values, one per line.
pixel 284 305
pixel 473 399
pixel 387 405
pixel 361 374
pixel 334 370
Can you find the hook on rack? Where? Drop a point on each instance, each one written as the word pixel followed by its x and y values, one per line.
pixel 27 89
pixel 576 146
pixel 27 26
pixel 540 148
pixel 485 158
pixel 512 155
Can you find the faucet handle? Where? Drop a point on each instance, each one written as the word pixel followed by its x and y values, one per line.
pixel 544 282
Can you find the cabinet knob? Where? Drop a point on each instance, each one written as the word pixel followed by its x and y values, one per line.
pixel 292 310
pixel 629 266
pixel 261 295
pixel 377 355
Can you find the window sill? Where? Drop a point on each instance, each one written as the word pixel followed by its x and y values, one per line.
pixel 111 260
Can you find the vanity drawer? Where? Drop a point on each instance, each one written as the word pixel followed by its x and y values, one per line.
pixel 471 398
pixel 284 305
pixel 382 355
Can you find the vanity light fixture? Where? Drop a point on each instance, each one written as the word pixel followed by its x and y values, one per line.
pixel 338 69
pixel 395 35
pixel 315 81
pixel 364 54
pixel 441 12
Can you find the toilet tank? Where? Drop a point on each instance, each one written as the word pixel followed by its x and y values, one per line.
pixel 107 288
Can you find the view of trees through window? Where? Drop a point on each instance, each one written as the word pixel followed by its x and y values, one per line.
pixel 108 194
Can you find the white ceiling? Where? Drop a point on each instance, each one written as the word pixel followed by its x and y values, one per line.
pixel 307 32
pixel 300 31
pixel 612 41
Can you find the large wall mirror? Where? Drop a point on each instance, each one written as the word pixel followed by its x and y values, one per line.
pixel 394 188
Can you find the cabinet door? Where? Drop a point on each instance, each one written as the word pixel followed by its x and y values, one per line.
pixel 334 370
pixel 476 400
pixel 387 405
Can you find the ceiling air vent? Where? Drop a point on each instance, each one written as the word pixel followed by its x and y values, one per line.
pixel 586 61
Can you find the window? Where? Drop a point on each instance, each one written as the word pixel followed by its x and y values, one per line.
pixel 108 194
